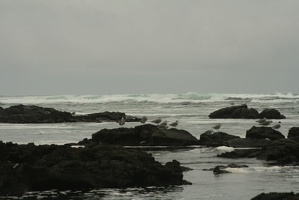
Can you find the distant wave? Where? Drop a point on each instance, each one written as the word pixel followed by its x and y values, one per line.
pixel 189 97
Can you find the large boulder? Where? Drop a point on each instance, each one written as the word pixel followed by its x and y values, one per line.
pixel 277 196
pixel 283 151
pixel 33 114
pixel 271 114
pixel 38 168
pixel 36 114
pixel 215 139
pixel 264 133
pixel 145 135
pixel 294 134
pixel 240 112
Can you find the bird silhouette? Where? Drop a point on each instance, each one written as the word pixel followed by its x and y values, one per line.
pixel 174 124
pixel 217 126
pixel 276 126
pixel 157 121
pixel 122 121
pixel 266 123
pixel 143 120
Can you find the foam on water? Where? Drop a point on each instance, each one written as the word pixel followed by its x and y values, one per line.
pixel 190 97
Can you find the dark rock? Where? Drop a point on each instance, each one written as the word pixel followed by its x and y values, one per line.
pixel 36 114
pixel 241 153
pixel 277 196
pixel 294 134
pixel 283 151
pixel 33 114
pixel 263 133
pixel 45 167
pixel 144 135
pixel 271 114
pixel 215 139
pixel 240 112
pixel 220 169
pixel 247 142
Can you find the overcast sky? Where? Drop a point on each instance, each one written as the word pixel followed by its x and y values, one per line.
pixel 149 46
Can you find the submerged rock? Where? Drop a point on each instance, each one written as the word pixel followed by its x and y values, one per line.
pixel 144 135
pixel 45 167
pixel 221 169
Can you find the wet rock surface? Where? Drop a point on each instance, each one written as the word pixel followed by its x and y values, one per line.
pixel 144 135
pixel 243 112
pixel 264 133
pixel 36 114
pixel 30 167
pixel 215 139
pixel 277 196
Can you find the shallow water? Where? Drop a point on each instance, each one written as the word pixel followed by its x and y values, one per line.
pixel 191 110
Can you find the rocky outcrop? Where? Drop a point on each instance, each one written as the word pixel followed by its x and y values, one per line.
pixel 294 134
pixel 271 114
pixel 277 196
pixel 264 133
pixel 144 135
pixel 36 114
pixel 215 139
pixel 242 112
pixel 283 151
pixel 247 143
pixel 38 168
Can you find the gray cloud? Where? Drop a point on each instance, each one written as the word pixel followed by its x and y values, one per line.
pixel 92 47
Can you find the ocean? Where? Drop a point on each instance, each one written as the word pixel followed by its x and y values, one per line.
pixel 191 110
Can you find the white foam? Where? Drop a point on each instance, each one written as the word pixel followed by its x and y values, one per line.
pixel 190 97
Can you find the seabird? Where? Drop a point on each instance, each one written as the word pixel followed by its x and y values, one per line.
pixel 262 120
pixel 217 126
pixel 277 126
pixel 174 124
pixel 143 120
pixel 122 121
pixel 266 123
pixel 157 121
pixel 163 125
